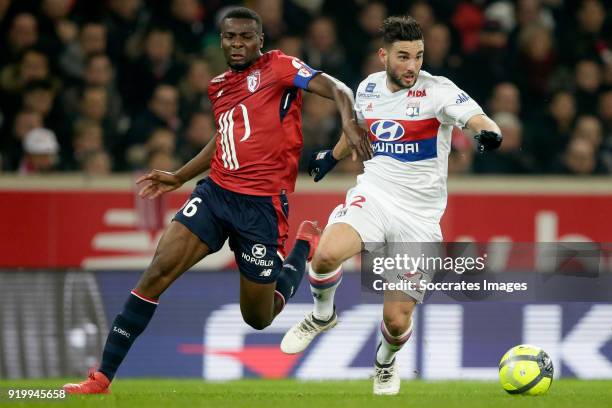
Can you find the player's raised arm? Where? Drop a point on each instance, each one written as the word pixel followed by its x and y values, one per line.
pixel 488 134
pixel 329 87
pixel 161 182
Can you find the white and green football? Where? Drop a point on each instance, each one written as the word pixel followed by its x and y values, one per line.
pixel 526 370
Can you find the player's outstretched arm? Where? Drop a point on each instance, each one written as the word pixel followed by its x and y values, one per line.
pixel 161 182
pixel 488 135
pixel 331 88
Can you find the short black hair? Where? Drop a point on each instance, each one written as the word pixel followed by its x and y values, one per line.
pixel 401 28
pixel 243 12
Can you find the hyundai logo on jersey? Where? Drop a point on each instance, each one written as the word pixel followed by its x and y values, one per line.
pixel 387 130
pixel 370 87
pixel 405 140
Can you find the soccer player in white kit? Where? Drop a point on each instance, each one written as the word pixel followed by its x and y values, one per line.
pixel 401 195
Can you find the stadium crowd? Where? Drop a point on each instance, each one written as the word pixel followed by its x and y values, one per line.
pixel 121 85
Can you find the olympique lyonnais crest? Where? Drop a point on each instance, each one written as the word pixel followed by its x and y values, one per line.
pixel 412 109
pixel 253 81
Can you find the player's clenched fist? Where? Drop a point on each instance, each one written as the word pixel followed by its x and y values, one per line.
pixel 488 140
pixel 321 163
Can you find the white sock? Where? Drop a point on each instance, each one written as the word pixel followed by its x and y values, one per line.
pixel 390 345
pixel 323 287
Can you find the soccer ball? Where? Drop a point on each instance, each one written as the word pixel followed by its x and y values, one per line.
pixel 526 370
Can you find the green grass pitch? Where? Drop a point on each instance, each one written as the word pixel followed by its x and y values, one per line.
pixel 295 394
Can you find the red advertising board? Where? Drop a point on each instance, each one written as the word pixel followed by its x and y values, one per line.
pixel 103 229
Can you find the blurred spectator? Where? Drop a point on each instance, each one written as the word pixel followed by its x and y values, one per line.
pixel 41 152
pixel 98 73
pixel 587 77
pixel 291 45
pixel 489 64
pixel 423 12
pixel 510 158
pixel 580 158
pixel 588 127
pixel 550 134
pixel 157 65
pixel 468 20
pixel 605 112
pixel 437 60
pixel 39 96
pixel 123 20
pixel 184 21
pixel 162 160
pixel 88 137
pixel 162 112
pixel 194 88
pixel 322 50
pixel 55 24
pixel 320 126
pixel 32 66
pixel 531 13
pixel 366 34
pixel 461 157
pixel 23 33
pixel 581 40
pixel 200 130
pixel 371 65
pixel 274 26
pixel 162 139
pixel 537 63
pixel 91 40
pixel 97 163
pixel 506 98
pixel 12 144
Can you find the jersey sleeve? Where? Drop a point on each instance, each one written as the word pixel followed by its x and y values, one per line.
pixel 454 106
pixel 292 72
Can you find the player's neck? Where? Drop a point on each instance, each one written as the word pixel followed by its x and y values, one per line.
pixel 392 86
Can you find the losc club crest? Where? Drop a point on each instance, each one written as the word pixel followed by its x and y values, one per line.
pixel 253 81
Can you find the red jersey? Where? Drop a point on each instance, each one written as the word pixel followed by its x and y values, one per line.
pixel 259 125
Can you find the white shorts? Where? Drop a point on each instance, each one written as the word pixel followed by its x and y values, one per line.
pixel 379 222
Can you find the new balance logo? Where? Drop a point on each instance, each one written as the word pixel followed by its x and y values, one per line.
pixel 266 272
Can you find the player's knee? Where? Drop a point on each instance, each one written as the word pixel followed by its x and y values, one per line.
pixel 398 323
pixel 325 261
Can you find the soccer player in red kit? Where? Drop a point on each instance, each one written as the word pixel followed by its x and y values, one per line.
pixel 253 161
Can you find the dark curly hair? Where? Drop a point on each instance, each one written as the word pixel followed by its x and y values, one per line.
pixel 401 28
pixel 243 12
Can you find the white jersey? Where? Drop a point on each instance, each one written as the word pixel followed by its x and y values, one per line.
pixel 410 131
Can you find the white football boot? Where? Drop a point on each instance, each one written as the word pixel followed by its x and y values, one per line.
pixel 386 379
pixel 303 333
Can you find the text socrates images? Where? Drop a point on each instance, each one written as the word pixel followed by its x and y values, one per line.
pixel 466 271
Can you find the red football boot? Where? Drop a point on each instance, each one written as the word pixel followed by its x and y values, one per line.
pixel 96 383
pixel 309 231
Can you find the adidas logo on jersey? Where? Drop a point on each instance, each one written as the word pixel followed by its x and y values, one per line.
pixel 461 98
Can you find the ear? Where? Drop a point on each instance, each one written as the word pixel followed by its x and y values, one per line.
pixel 261 41
pixel 220 40
pixel 382 55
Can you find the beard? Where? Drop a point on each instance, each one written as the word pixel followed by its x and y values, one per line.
pixel 397 79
